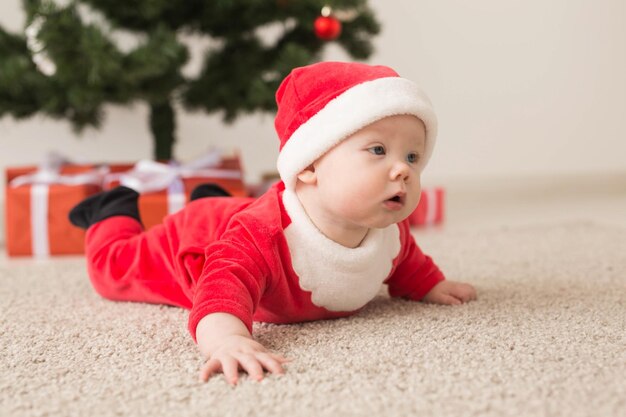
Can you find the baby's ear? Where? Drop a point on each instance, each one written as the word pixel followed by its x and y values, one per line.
pixel 307 175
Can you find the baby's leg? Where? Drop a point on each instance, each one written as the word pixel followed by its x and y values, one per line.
pixel 126 263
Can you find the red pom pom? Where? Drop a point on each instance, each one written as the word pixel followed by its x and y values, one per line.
pixel 327 28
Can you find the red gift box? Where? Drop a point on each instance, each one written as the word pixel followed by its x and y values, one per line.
pixel 430 209
pixel 165 189
pixel 39 198
pixel 154 206
pixel 37 206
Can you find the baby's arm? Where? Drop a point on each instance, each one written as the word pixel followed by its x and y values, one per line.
pixel 228 345
pixel 418 278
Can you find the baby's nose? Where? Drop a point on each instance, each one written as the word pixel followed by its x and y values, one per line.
pixel 400 171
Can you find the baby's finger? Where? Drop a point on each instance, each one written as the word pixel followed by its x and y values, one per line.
pixel 463 296
pixel 270 363
pixel 209 368
pixel 449 300
pixel 467 293
pixel 280 358
pixel 470 296
pixel 251 365
pixel 231 369
pixel 474 294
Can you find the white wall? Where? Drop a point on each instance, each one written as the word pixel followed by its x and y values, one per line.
pixel 521 88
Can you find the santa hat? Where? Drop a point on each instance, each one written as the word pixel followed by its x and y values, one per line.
pixel 322 104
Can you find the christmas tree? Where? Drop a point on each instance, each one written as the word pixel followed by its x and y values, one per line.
pixel 68 63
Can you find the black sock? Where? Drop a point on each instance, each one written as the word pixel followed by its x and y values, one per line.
pixel 208 190
pixel 120 201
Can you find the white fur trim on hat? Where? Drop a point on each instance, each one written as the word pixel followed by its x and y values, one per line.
pixel 356 108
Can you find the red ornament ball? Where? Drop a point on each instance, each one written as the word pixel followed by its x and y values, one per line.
pixel 327 28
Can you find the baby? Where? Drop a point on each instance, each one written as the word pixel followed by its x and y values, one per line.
pixel 354 139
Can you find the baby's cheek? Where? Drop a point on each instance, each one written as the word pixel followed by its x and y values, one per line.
pixel 355 198
pixel 350 193
pixel 413 202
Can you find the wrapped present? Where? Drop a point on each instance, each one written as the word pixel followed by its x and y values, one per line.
pixel 166 188
pixel 38 200
pixel 430 209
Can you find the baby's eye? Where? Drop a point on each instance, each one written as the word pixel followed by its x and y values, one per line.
pixel 412 158
pixel 377 150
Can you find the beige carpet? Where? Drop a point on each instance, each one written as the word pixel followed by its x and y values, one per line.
pixel 545 338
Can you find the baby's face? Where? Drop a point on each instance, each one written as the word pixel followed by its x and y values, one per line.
pixel 372 179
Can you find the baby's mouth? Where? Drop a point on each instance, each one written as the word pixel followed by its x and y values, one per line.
pixel 398 198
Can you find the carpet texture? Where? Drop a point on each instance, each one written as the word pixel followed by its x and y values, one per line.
pixel 545 338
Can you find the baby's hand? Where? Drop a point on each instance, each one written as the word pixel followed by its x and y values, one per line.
pixel 235 352
pixel 450 293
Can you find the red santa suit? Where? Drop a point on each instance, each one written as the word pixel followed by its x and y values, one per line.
pixel 264 259
pixel 260 260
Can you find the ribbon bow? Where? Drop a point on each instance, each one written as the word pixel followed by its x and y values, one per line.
pixel 150 176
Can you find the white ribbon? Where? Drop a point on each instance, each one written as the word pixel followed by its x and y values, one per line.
pixel 49 177
pixel 48 173
pixel 176 196
pixel 431 206
pixel 40 245
pixel 149 176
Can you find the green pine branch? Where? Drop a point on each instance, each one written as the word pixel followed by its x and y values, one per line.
pixel 239 75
